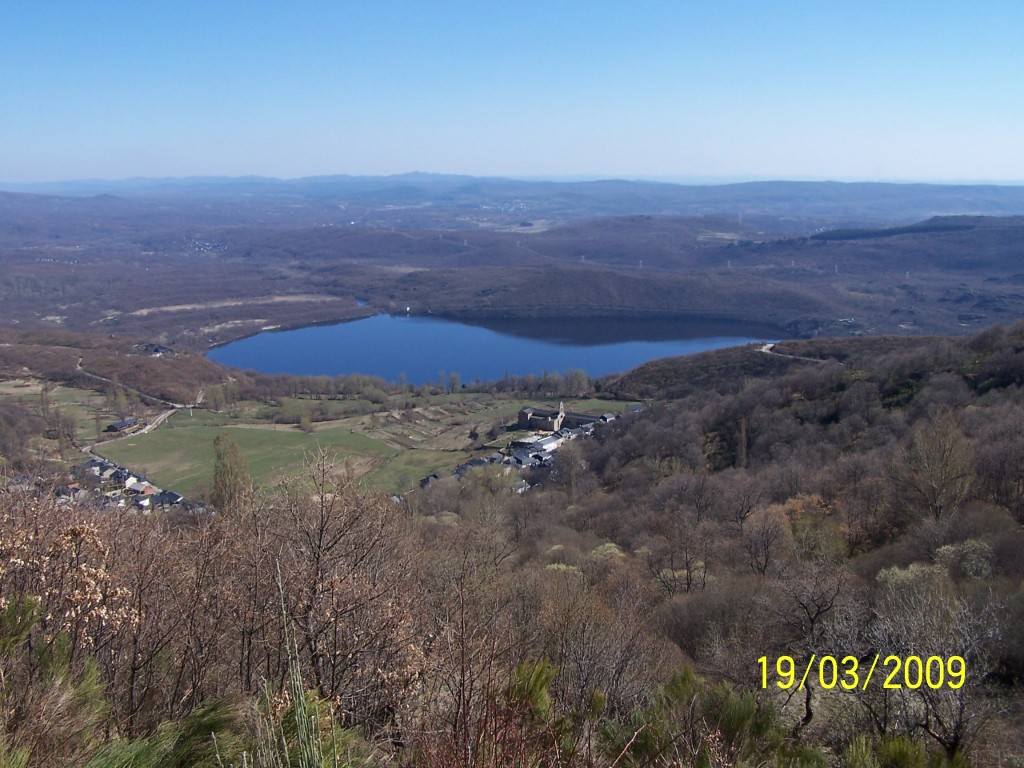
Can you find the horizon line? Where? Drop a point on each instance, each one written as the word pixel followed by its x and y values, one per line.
pixel 674 180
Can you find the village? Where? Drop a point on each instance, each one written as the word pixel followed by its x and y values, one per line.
pixel 120 488
pixel 530 446
pixel 108 486
pixel 548 429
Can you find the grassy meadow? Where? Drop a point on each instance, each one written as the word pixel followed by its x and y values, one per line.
pixel 390 450
pixel 180 455
pixel 389 447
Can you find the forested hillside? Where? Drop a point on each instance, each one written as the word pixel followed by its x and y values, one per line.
pixel 229 259
pixel 731 577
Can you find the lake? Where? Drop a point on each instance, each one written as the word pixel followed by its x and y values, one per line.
pixel 421 348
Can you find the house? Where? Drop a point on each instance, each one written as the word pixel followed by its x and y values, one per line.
pixel 153 350
pixel 167 499
pixel 524 459
pixel 578 420
pixel 552 421
pixel 98 466
pixel 547 444
pixel 123 426
pixel 112 501
pixel 541 418
pixel 71 491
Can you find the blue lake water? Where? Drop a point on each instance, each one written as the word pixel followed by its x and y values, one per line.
pixel 421 348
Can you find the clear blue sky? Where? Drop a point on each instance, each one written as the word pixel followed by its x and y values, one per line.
pixel 718 89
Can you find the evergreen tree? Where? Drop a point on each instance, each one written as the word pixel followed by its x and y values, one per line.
pixel 231 478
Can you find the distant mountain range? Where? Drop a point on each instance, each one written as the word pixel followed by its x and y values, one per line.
pixel 441 198
pixel 202 260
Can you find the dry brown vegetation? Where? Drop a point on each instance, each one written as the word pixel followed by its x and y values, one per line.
pixel 197 273
pixel 830 497
pixel 866 507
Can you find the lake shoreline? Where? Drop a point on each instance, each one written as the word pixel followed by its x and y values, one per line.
pixel 501 321
pixel 420 347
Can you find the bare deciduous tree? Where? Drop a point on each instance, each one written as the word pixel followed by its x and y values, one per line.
pixel 936 470
pixel 919 614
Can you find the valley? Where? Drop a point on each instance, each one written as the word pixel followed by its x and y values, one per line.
pixel 851 490
pixel 131 267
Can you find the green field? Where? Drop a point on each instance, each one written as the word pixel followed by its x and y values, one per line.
pixel 85 409
pixel 181 457
pixel 406 469
pixel 390 450
pixel 82 405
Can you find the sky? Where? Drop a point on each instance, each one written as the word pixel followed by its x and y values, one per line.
pixel 681 90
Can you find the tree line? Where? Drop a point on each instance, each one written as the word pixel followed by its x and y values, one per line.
pixel 868 505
